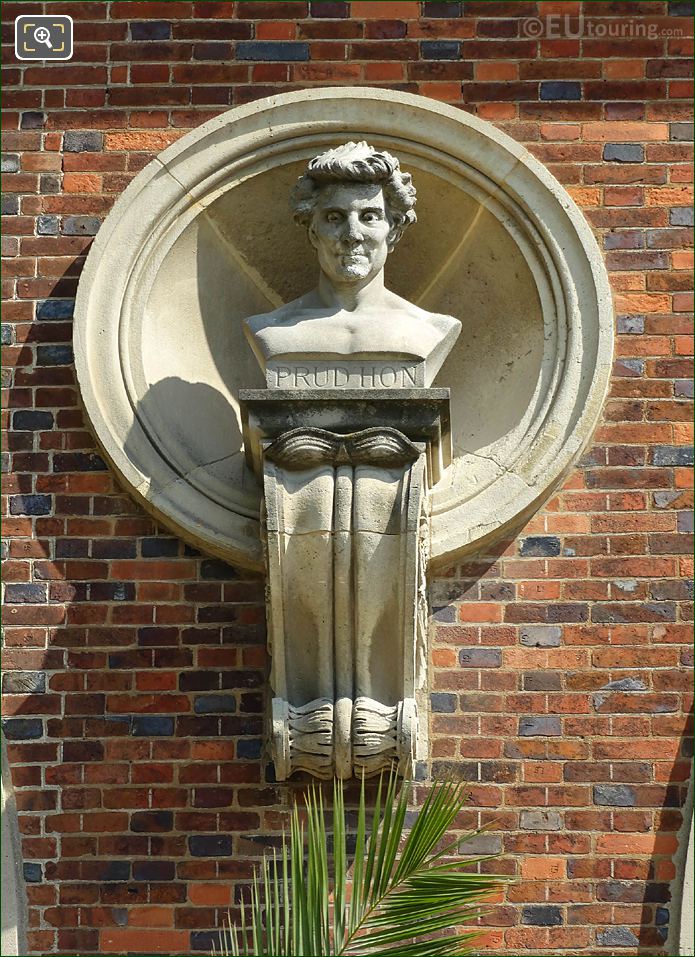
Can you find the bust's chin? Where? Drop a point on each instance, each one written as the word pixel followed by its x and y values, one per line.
pixel 351 269
pixel 351 272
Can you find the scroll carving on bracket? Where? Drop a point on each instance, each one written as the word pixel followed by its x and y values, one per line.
pixel 347 438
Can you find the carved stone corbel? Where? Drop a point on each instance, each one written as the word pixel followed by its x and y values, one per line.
pixel 345 537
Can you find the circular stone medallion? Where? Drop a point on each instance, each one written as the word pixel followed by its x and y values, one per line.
pixel 203 237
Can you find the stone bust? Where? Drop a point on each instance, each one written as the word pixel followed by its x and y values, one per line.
pixel 355 203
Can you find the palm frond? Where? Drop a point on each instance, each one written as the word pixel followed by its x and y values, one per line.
pixel 406 890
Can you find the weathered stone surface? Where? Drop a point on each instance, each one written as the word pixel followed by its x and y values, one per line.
pixel 333 504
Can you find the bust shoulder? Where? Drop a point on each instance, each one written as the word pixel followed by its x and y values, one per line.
pixel 436 324
pixel 287 312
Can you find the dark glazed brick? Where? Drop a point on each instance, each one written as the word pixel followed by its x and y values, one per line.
pixel 686 523
pixel 78 462
pixel 542 915
pixel 32 120
pixel 55 309
pixel 210 845
pixel 617 937
pixel 614 795
pixel 30 421
pixel 9 163
pixel 540 546
pixel 250 748
pixel 681 216
pixel 23 682
pixel 30 504
pixel 542 681
pixel 681 131
pixel 113 548
pixel 150 30
pixel 22 729
pixel 159 547
pixel 630 325
pixel 47 225
pixel 25 593
pixel 54 355
pixel 543 725
pixel 480 657
pixel 49 183
pixel 83 141
pixel 497 591
pixel 443 703
pixel 9 204
pixel 259 10
pixel 81 225
pixel 678 455
pixel 443 10
pixel 680 8
pixel 147 725
pixel 623 153
pixel 6 334
pixel 33 872
pixel 540 636
pixel 214 704
pixel 560 90
pixel 440 49
pixel 330 9
pixel 209 941
pixel 273 52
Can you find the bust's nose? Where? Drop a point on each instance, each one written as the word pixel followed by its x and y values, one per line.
pixel 352 230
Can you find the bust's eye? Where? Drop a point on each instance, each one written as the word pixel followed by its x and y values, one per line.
pixel 371 217
pixel 333 217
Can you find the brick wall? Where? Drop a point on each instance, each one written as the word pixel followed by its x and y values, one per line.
pixel 135 668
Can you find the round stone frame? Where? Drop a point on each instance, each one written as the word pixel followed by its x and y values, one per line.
pixel 552 233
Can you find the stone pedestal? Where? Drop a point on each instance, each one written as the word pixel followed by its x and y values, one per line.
pixel 344 478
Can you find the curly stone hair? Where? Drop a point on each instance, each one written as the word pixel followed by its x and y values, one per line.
pixel 357 163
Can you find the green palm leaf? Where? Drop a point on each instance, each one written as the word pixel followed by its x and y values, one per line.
pixel 407 895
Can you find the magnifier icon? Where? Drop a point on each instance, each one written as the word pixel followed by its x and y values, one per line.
pixel 43 35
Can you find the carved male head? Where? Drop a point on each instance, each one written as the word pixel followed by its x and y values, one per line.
pixel 356 204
